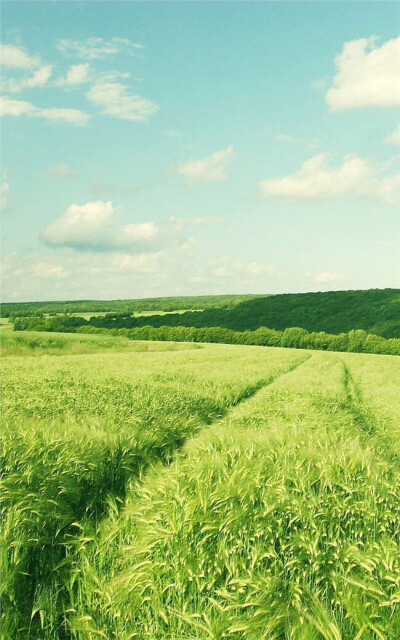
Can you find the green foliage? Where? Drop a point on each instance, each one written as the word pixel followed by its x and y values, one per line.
pixel 121 307
pixel 376 311
pixel 293 337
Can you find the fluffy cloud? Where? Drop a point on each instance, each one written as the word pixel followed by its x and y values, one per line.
pixel 394 137
pixel 16 57
pixel 208 169
pixel 326 277
pixel 115 100
pixel 83 227
pixel 76 74
pixel 315 180
pixel 367 75
pixel 97 48
pixel 94 227
pixel 12 107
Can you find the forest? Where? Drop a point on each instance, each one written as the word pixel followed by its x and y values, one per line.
pixel 356 321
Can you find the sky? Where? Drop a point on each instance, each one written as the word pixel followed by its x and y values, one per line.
pixel 187 148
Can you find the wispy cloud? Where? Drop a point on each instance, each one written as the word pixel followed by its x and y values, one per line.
pixel 209 169
pixel 284 137
pixel 171 133
pixel 12 107
pixel 99 187
pixel 315 180
pixel 4 194
pixel 226 270
pixel 367 75
pixel 61 172
pixel 327 277
pixel 115 100
pixel 97 48
pixel 394 137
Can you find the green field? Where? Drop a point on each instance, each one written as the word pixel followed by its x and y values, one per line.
pixel 36 343
pixel 159 491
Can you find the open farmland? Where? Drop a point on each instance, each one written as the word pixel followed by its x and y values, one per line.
pixel 213 492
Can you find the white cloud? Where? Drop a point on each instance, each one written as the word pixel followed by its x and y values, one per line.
pixel 39 79
pixel 115 100
pixel 320 84
pixel 197 221
pixel 4 194
pixel 12 107
pixel 83 227
pixel 314 143
pixel 326 277
pixel 61 172
pixel 315 181
pixel 76 74
pixel 16 57
pixel 208 169
pixel 367 75
pixel 225 268
pixel 394 137
pixel 49 270
pixel 97 48
pixel 69 276
pixel 284 137
pixel 94 227
pixel 71 116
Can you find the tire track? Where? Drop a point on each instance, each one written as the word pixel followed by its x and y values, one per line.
pixel 241 404
pixel 355 403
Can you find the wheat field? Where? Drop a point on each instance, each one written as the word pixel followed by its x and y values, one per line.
pixel 158 491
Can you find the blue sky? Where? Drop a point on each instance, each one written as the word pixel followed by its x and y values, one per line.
pixel 184 148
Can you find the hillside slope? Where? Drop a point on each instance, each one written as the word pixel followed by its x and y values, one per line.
pixel 375 310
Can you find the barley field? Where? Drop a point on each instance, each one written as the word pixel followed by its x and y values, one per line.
pixel 198 492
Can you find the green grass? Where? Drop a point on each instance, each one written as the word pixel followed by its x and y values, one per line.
pixel 227 492
pixel 36 343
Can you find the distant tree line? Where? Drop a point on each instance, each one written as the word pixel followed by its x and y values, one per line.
pixel 376 311
pixel 356 340
pixel 120 307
